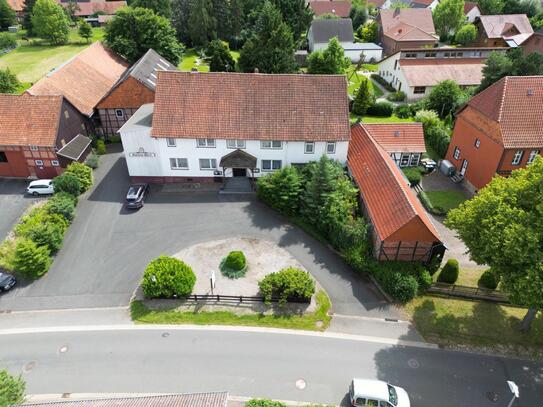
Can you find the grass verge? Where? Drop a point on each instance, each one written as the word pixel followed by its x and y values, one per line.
pixel 354 82
pixel 445 199
pixel 316 321
pixel 375 119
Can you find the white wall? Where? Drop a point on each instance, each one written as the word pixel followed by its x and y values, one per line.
pixel 473 14
pixel 159 165
pixel 354 55
pixel 395 77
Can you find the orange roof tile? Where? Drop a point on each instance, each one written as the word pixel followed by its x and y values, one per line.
pixel 87 8
pixel 251 106
pixel 389 201
pixel 516 103
pixel 16 5
pixel 339 8
pixel 514 27
pixel 85 79
pixel 397 137
pixel 416 17
pixel 29 120
pixel 468 6
pixel 406 32
pixel 429 72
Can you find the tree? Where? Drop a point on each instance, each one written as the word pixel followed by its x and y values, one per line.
pixel 180 19
pixel 444 97
pixel 359 16
pixel 8 81
pixel 466 34
pixel 270 48
pixel 448 16
pixel 296 14
pixel 68 183
pixel 496 66
pixel 31 260
pixel 219 57
pixel 71 9
pixel 85 30
pixel 368 32
pixel 364 97
pixel 28 9
pixel 501 227
pixel 528 7
pixel 133 31
pixel 7 15
pixel 221 11
pixel 331 60
pixel 202 24
pixel 161 7
pixel 526 65
pixel 50 22
pixel 490 7
pixel 12 389
pixel 7 41
pixel 514 63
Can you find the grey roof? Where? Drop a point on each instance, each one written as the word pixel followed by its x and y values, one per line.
pixel 75 147
pixel 363 45
pixel 325 29
pixel 144 70
pixel 143 118
pixel 238 159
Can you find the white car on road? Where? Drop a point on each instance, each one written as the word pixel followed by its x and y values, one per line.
pixel 40 187
pixel 376 393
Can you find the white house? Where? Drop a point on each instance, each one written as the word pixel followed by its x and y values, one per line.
pixel 471 11
pixel 206 126
pixel 416 71
pixel 323 30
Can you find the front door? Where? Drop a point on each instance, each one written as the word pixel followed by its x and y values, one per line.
pixel 239 172
pixel 464 167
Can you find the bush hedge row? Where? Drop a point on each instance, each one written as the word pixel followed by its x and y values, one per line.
pixel 436 210
pixel 288 283
pixel 383 82
pixel 381 109
pixel 413 175
pixel 398 96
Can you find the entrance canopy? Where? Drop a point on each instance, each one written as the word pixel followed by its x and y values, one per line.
pixel 238 159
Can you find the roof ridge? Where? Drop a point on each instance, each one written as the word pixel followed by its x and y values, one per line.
pixel 295 75
pixel 504 91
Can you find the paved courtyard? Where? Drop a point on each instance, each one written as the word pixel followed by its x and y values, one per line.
pixel 13 203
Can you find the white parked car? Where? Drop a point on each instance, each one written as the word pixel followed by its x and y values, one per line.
pixel 376 393
pixel 40 187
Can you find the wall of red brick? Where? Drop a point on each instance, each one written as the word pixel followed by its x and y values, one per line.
pixel 16 165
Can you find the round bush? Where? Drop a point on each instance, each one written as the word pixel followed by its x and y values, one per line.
pixel 234 265
pixel 83 173
pixel 403 111
pixel 401 287
pixel 425 280
pixel 167 277
pixel 289 283
pixel 93 161
pixel 67 183
pixel 488 280
pixel 62 204
pixel 398 96
pixel 381 109
pixel 413 175
pixel 449 272
pixel 30 260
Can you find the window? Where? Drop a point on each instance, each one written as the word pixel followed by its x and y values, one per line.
pixel 531 157
pixel 477 143
pixel 414 161
pixel 309 147
pixel 404 160
pixel 446 55
pixel 419 90
pixel 179 163
pixel 206 142
pixel 66 114
pixel 275 144
pixel 459 54
pixel 170 142
pixel 54 163
pixel 235 143
pixel 430 55
pixel 39 162
pixel 456 154
pixel 33 148
pixel 3 157
pixel 330 147
pixel 271 165
pixel 518 157
pixel 208 163
pixel 395 64
pixel 477 53
pixel 410 55
pixel 119 113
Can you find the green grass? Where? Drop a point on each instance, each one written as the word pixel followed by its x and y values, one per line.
pixel 458 322
pixel 189 61
pixel 354 82
pixel 468 276
pixel 316 321
pixel 375 119
pixel 370 67
pixel 446 199
pixel 35 58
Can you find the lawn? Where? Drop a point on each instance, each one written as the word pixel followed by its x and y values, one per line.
pixel 33 59
pixel 375 119
pixel 317 321
pixel 430 152
pixel 191 60
pixel 446 199
pixel 469 276
pixel 481 324
pixel 354 82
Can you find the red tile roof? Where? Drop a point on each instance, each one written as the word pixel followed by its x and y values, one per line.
pixel 390 203
pixel 251 106
pixel 416 17
pixel 87 8
pixel 16 5
pixel 406 32
pixel 85 79
pixel 397 137
pixel 29 120
pixel 337 7
pixel 468 6
pixel 429 72
pixel 498 26
pixel 516 104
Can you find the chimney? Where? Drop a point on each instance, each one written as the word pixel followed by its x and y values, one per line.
pixel 256 70
pixel 396 12
pixel 530 92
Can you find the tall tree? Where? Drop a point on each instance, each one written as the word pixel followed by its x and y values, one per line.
pixel 368 32
pixel 496 66
pixel 297 15
pixel 270 48
pixel 85 30
pixel 202 23
pixel 8 81
pixel 7 15
pixel 50 22
pixel 180 18
pixel 27 19
pixel 528 7
pixel 134 30
pixel 220 60
pixel 501 226
pixel 444 97
pixel 161 7
pixel 448 16
pixel 467 34
pixel 364 97
pixel 359 16
pixel 12 389
pixel 514 62
pixel 221 13
pixel 331 60
pixel 71 9
pixel 490 7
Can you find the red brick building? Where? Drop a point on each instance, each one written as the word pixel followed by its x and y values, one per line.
pixel 340 8
pixel 534 43
pixel 39 136
pixel 498 130
pixel 508 30
pixel 400 227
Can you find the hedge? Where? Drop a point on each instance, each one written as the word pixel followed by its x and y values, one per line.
pixel 382 81
pixel 436 210
pixel 264 403
pixel 82 172
pixel 381 109
pixel 62 204
pixel 30 260
pixel 449 272
pixel 403 111
pixel 413 175
pixel 234 265
pixel 398 96
pixel 167 277
pixel 67 183
pixel 289 283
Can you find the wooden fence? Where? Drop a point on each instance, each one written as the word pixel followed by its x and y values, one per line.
pixel 474 293
pixel 238 298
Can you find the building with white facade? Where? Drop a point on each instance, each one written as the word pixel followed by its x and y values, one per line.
pixel 206 126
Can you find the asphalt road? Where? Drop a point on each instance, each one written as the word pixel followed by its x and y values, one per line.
pixel 251 364
pixel 107 248
pixel 13 203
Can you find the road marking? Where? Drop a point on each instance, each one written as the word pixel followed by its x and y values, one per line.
pixel 58 310
pixel 276 331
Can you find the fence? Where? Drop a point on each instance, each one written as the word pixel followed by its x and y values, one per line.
pixel 474 293
pixel 238 298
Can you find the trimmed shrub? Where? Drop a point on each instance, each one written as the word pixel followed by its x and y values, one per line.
pixel 7 41
pixel 100 146
pixel 31 261
pixel 234 265
pixel 488 280
pixel 67 183
pixel 413 175
pixel 364 97
pixel 383 82
pixel 449 272
pixel 93 161
pixel 401 287
pixel 62 204
pixel 403 111
pixel 289 283
pixel 47 234
pixel 83 173
pixel 425 280
pixel 167 277
pixel 281 190
pixel 398 96
pixel 381 109
pixel 349 234
pixel 264 403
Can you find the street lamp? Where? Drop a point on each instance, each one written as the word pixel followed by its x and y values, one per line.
pixel 212 281
pixel 514 389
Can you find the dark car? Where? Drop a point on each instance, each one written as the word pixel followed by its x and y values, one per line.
pixel 136 195
pixel 7 281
